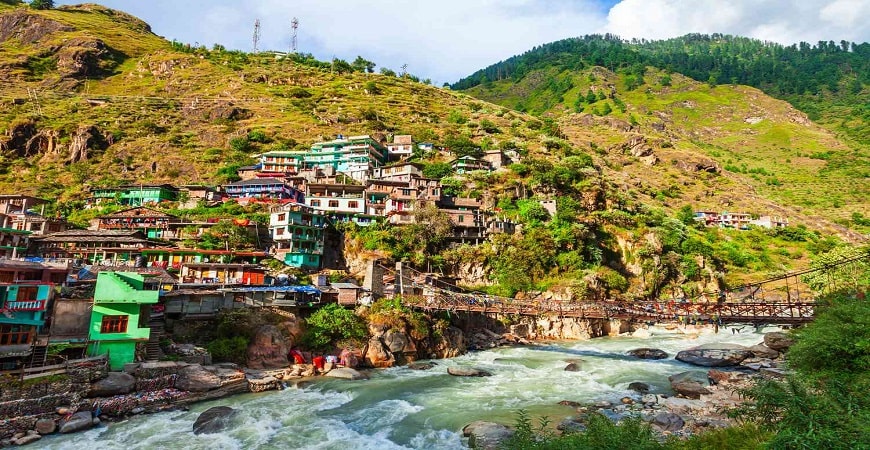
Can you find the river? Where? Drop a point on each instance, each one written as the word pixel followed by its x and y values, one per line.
pixel 399 408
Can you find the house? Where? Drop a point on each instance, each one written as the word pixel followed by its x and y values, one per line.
pixel 347 294
pixel 708 218
pixel 23 306
pixel 249 172
pixel 468 163
pixel 223 273
pixel 341 202
pixel 739 221
pixel 174 258
pixel 14 203
pixel 398 172
pixel 770 222
pixel 401 147
pixel 354 156
pixel 469 221
pixel 298 233
pixel 33 270
pixel 36 224
pixel 194 194
pixel 269 189
pixel 426 146
pixel 95 246
pixel 13 242
pixel 121 304
pixel 550 206
pixel 496 159
pixel 152 223
pixel 135 195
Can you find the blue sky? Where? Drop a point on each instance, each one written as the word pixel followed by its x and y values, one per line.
pixel 447 39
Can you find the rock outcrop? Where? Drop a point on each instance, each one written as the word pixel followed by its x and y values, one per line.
pixel 195 378
pixel 467 372
pixel 778 341
pixel 648 353
pixel 691 384
pixel 715 355
pixel 117 383
pixel 79 421
pixel 213 420
pixel 269 349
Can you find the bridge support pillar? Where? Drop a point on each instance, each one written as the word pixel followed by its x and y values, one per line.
pixel 374 279
pixel 404 283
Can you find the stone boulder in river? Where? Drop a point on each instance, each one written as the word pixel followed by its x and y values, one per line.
pixel 691 384
pixel 668 421
pixel 778 341
pixel 345 373
pixel 79 421
pixel 486 435
pixel 648 353
pixel 467 372
pixel 421 365
pixel 715 355
pixel 763 351
pixel 213 420
pixel 194 378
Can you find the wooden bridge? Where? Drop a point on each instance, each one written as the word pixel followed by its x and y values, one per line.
pixel 791 302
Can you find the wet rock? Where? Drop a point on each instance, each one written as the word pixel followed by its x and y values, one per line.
pixel 668 421
pixel 213 420
pixel 117 383
pixel 637 386
pixel 571 425
pixel 690 384
pixel 421 365
pixel 627 401
pixel 378 355
pixel 195 378
pixel 486 435
pixel 399 342
pixel 569 403
pixel 467 372
pixel 269 349
pixel 778 341
pixel 648 353
pixel 718 376
pixel 24 440
pixel 714 355
pixel 345 373
pixel 572 367
pixel 79 421
pixel 763 351
pixel 773 372
pixel 45 426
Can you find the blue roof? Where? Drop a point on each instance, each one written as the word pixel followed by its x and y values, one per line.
pixel 303 289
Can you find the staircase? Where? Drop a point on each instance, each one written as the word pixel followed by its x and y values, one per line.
pixel 153 352
pixel 38 357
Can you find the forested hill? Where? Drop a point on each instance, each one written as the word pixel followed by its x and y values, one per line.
pixel 828 81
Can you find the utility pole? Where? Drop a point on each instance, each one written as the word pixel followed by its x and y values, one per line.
pixel 256 35
pixel 294 25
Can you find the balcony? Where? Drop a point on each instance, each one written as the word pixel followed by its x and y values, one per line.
pixel 27 305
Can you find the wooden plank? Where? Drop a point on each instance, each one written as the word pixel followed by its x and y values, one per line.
pixel 44 374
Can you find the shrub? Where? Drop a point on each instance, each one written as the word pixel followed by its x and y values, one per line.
pixel 233 349
pixel 330 325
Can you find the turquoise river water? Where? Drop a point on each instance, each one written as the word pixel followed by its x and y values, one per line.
pixel 399 408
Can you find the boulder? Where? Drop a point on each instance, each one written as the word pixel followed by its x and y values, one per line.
pixel 213 420
pixel 378 355
pixel 572 367
pixel 571 425
pixel 399 342
pixel 24 440
pixel 763 351
pixel 467 372
pixel 570 403
pixel 486 435
pixel 668 421
pixel 648 353
pixel 45 426
pixel 421 365
pixel 79 421
pixel 195 378
pixel 117 383
pixel 637 386
pixel 715 355
pixel 718 376
pixel 778 341
pixel 690 384
pixel 345 373
pixel 269 349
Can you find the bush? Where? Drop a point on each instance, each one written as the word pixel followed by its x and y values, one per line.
pixel 601 433
pixel 330 325
pixel 232 349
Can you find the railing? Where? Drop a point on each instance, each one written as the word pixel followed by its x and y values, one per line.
pixel 27 305
pixel 56 369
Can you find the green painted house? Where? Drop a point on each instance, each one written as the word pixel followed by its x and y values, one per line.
pixel 121 306
pixel 354 156
pixel 135 195
pixel 298 232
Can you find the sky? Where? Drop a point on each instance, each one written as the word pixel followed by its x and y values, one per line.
pixel 445 40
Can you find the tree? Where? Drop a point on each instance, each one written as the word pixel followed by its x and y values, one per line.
pixel 361 64
pixel 42 4
pixel 437 170
pixel 226 234
pixel 341 66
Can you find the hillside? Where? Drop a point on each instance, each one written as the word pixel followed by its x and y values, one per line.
pixel 765 148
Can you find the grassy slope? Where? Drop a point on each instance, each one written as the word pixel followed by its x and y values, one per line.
pixel 782 164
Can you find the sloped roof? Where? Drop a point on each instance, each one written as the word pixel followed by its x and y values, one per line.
pixel 140 211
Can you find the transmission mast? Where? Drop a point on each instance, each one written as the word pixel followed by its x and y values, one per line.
pixel 294 24
pixel 256 35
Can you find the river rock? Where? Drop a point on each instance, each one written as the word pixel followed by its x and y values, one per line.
pixel 570 403
pixel 691 384
pixel 79 421
pixel 345 373
pixel 763 351
pixel 399 342
pixel 572 367
pixel 467 372
pixel 637 386
pixel 45 426
pixel 486 435
pixel 777 340
pixel 24 440
pixel 269 349
pixel 668 421
pixel 195 378
pixel 718 376
pixel 421 365
pixel 213 420
pixel 571 425
pixel 648 353
pixel 378 355
pixel 117 383
pixel 714 355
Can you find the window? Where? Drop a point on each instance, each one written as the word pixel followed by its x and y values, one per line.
pixel 27 293
pixel 282 217
pixel 15 334
pixel 315 202
pixel 279 231
pixel 353 204
pixel 114 324
pixel 461 219
pixel 333 203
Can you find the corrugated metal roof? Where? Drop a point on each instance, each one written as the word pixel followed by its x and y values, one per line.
pixel 303 289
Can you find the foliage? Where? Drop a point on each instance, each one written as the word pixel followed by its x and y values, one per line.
pixel 229 349
pixel 42 4
pixel 330 325
pixel 437 170
pixel 225 235
pixel 601 433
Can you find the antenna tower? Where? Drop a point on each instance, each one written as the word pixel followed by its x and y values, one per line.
pixel 256 35
pixel 294 24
